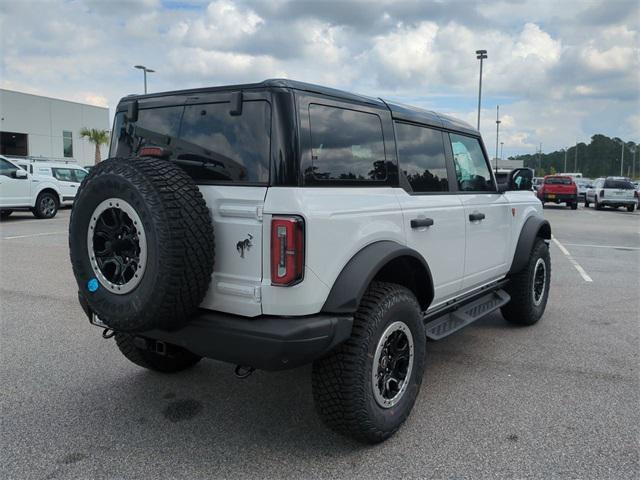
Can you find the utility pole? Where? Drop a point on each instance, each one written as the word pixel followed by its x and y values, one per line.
pixel 497 133
pixel 622 159
pixel 575 160
pixel 565 160
pixel 540 158
pixel 501 150
pixel 480 55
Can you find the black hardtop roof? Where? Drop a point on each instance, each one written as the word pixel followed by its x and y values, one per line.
pixel 399 111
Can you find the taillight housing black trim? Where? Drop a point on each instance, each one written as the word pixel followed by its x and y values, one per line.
pixel 287 250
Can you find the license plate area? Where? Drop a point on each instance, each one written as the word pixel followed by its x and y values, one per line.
pixel 551 195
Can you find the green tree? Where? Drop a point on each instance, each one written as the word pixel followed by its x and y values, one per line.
pixel 97 137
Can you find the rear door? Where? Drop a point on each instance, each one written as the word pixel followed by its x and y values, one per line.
pixel 67 183
pixel 433 215
pixel 486 213
pixel 226 151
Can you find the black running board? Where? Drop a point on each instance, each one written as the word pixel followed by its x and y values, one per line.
pixel 466 314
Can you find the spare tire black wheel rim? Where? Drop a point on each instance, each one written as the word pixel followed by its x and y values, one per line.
pixel 392 364
pixel 117 246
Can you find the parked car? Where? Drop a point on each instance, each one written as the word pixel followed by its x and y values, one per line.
pixel 612 192
pixel 537 181
pixel 559 189
pixel 582 184
pixel 21 190
pixel 347 229
pixel 68 176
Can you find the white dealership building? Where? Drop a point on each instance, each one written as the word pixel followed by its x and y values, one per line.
pixel 36 126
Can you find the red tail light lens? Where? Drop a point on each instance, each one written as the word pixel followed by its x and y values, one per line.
pixel 287 250
pixel 158 152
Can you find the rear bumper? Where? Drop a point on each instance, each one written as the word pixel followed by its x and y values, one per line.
pixel 617 201
pixel 559 198
pixel 266 342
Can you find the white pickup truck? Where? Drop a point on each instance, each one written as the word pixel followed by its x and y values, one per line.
pixel 39 188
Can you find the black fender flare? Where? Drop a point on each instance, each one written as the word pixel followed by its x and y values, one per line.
pixel 533 228
pixel 357 274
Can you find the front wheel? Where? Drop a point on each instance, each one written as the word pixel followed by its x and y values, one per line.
pixel 366 388
pixel 529 289
pixel 574 206
pixel 631 208
pixel 597 205
pixel 5 214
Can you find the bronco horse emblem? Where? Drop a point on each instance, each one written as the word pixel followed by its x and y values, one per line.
pixel 245 244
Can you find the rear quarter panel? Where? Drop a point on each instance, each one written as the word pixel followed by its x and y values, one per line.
pixel 339 222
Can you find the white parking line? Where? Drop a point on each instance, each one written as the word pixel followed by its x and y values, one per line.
pixel 624 247
pixel 573 262
pixel 32 235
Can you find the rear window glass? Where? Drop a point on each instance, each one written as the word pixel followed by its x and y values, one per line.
pixel 619 184
pixel 205 140
pixel 557 181
pixel 422 158
pixel 345 145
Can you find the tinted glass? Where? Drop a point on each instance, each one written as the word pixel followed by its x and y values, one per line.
pixel 620 184
pixel 63 174
pixel 422 158
pixel 215 145
pixel 345 145
pixel 6 168
pixel 472 172
pixel 557 181
pixel 205 140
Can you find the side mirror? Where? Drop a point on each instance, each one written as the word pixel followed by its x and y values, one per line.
pixel 518 179
pixel 21 174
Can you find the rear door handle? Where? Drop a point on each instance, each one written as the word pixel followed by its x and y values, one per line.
pixel 474 217
pixel 421 222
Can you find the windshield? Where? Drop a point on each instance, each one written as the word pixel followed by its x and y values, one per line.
pixel 619 184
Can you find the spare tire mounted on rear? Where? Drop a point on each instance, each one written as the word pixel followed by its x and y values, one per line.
pixel 141 244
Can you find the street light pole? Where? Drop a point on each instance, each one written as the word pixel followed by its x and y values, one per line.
pixel 565 159
pixel 575 160
pixel 622 160
pixel 144 70
pixel 497 133
pixel 501 150
pixel 480 55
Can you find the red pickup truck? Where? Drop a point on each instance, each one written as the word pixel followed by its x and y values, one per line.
pixel 559 189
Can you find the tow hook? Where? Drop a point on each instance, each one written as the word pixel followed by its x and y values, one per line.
pixel 243 371
pixel 108 333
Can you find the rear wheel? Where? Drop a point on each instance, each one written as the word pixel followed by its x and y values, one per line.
pixel 46 205
pixel 529 289
pixel 586 202
pixel 173 359
pixel 367 387
pixel 5 214
pixel 574 206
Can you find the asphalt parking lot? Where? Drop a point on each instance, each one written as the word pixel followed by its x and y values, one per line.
pixel 557 400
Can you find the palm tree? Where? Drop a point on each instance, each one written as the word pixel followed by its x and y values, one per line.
pixel 97 137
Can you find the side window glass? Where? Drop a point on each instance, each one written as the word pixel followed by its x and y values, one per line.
pixel 422 158
pixel 63 174
pixel 346 145
pixel 79 175
pixel 472 172
pixel 6 168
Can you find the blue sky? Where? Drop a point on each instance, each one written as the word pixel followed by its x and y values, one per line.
pixel 561 71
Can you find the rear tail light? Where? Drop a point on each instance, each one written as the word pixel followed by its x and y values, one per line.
pixel 158 152
pixel 287 250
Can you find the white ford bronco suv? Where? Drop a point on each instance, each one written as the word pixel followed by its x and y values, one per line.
pixel 280 223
